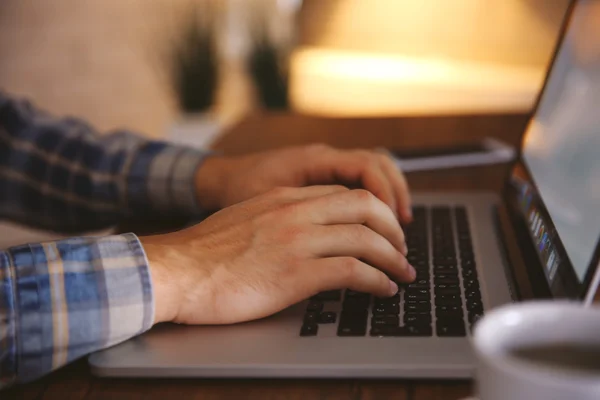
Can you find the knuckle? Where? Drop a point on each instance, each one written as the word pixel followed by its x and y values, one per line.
pixel 402 234
pixel 290 234
pixel 368 158
pixel 317 148
pixel 363 195
pixel 340 188
pixel 383 281
pixel 361 234
pixel 348 269
pixel 366 199
pixel 383 157
pixel 285 211
pixel 280 192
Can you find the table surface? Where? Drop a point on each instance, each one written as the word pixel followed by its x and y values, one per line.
pixel 266 131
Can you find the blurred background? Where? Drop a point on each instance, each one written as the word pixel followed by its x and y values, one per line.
pixel 186 70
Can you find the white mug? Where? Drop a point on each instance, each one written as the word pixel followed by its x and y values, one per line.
pixel 502 377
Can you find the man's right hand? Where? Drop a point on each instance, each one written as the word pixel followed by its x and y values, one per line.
pixel 258 257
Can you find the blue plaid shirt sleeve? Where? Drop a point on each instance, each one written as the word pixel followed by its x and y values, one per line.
pixel 62 300
pixel 60 174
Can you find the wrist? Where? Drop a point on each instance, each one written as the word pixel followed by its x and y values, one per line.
pixel 164 285
pixel 209 180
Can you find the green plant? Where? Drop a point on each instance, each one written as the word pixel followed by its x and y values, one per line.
pixel 194 59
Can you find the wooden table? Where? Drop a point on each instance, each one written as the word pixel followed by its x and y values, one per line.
pixel 260 132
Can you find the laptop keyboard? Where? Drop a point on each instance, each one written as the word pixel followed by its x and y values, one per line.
pixel 444 300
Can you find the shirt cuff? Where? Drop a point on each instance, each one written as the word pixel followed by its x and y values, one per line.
pixel 162 176
pixel 69 298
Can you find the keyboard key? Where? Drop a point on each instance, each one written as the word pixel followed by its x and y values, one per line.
pixel 416 296
pixel 356 303
pixel 330 295
pixel 309 329
pixel 352 330
pixel 446 281
pixel 474 316
pixel 471 283
pixel 384 331
pixel 473 295
pixel 445 269
pixel 448 297
pixel 448 309
pixel 385 320
pixel 448 300
pixel 327 317
pixel 444 260
pixel 418 255
pixel 353 323
pixel 450 329
pixel 421 284
pixel 410 308
pixel 447 291
pixel 418 210
pixel 315 306
pixel 417 318
pixel 415 330
pixel 466 250
pixel 418 284
pixel 311 317
pixel 466 253
pixel 387 300
pixel 441 210
pixel 353 315
pixel 475 305
pixel 442 286
pixel 469 273
pixel 421 291
pixel 426 302
pixel 420 264
pixel 386 309
pixel 423 275
pixel 354 294
pixel 453 275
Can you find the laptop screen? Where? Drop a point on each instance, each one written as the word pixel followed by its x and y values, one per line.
pixel 561 151
pixel 562 143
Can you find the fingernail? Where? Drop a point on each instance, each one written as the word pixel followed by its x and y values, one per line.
pixel 405 249
pixel 412 272
pixel 409 213
pixel 393 288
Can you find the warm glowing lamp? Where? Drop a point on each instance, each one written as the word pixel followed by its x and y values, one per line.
pixel 387 57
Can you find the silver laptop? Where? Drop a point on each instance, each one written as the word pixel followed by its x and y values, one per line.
pixel 473 252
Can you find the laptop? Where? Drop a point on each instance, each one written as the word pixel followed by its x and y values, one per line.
pixel 472 251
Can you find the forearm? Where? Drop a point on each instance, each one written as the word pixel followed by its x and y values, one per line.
pixel 60 174
pixel 62 300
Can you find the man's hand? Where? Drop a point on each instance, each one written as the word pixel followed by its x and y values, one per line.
pixel 260 256
pixel 224 181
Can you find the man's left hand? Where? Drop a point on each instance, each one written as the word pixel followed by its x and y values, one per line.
pixel 224 181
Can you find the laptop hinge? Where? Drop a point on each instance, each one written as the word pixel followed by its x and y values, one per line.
pixel 516 271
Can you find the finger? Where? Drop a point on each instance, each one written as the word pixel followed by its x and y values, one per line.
pixel 399 186
pixel 307 192
pixel 356 207
pixel 362 243
pixel 347 272
pixel 353 167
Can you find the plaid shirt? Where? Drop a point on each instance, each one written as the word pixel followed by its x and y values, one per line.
pixel 62 300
